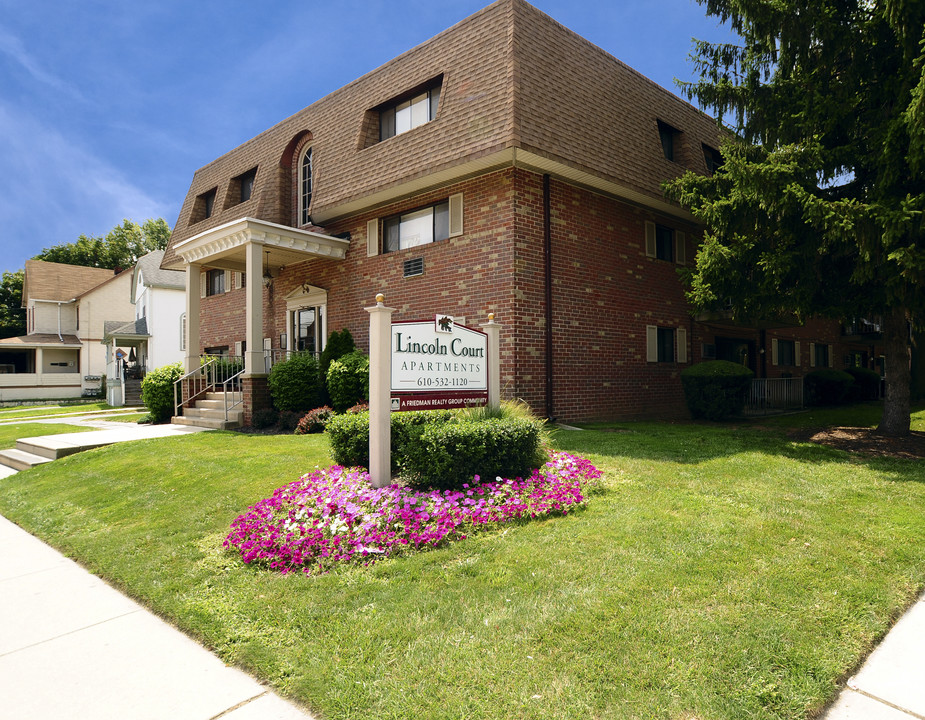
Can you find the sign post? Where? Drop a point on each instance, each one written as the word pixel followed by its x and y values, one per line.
pixel 427 365
pixel 493 331
pixel 380 430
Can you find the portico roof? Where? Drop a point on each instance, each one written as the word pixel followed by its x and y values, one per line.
pixel 223 246
pixel 42 340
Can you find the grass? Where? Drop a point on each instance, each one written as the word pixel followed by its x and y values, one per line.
pixel 19 411
pixel 10 433
pixel 724 572
pixel 129 418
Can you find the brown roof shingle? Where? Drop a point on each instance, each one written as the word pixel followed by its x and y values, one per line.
pixel 512 77
pixel 58 281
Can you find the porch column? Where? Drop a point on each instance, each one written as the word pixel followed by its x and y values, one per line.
pixel 193 293
pixel 39 360
pixel 253 356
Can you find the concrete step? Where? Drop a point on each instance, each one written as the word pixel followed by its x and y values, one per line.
pixel 53 447
pixel 233 397
pixel 21 460
pixel 211 404
pixel 212 413
pixel 211 423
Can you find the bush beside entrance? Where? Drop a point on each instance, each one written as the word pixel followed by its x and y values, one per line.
pixel 715 390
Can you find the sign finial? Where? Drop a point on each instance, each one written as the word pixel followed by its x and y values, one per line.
pixel 380 298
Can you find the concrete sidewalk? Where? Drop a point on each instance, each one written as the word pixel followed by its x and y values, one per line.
pixel 891 683
pixel 72 647
pixel 32 451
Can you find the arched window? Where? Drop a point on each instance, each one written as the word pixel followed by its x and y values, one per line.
pixel 305 186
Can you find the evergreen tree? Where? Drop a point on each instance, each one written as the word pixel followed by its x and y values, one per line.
pixel 818 206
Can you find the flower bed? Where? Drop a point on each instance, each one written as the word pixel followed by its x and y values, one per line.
pixel 335 515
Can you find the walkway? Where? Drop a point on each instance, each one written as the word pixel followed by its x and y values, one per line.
pixel 73 647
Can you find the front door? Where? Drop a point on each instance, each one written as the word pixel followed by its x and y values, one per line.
pixel 736 350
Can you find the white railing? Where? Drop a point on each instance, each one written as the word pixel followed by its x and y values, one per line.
pixel 768 395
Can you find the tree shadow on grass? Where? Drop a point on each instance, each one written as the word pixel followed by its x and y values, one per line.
pixel 695 443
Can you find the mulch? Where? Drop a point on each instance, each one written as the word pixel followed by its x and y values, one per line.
pixel 866 441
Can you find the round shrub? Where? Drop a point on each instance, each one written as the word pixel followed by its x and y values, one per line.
pixel 349 435
pixel 348 380
pixel 314 421
pixel 264 418
pixel 338 345
pixel 715 390
pixel 827 387
pixel 294 383
pixel 157 391
pixel 866 384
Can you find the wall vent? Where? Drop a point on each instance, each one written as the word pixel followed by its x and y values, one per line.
pixel 413 267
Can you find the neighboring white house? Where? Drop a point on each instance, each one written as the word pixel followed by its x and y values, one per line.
pixel 61 356
pixel 154 338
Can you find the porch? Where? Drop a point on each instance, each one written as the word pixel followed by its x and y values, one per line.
pixel 126 360
pixel 259 250
pixel 40 367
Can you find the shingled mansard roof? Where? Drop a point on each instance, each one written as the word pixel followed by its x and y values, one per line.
pixel 517 88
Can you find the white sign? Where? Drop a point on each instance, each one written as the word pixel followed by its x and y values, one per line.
pixel 438 356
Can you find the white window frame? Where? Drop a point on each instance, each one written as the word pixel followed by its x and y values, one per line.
pixel 306 190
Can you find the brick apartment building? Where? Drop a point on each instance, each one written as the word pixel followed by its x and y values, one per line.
pixel 506 165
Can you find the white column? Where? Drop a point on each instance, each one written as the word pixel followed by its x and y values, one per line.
pixel 493 331
pixel 193 291
pixel 380 382
pixel 39 360
pixel 253 356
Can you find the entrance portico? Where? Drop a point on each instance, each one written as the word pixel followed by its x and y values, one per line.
pixel 259 249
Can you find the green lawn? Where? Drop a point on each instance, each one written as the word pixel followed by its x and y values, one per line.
pixel 127 418
pixel 724 572
pixel 9 434
pixel 19 411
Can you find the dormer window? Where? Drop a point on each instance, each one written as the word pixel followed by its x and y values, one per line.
pixel 408 113
pixel 670 138
pixel 305 186
pixel 712 158
pixel 203 207
pixel 208 202
pixel 246 184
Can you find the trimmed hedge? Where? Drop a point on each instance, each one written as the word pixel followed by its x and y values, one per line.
pixel 443 449
pixel 827 387
pixel 447 455
pixel 348 380
pixel 295 383
pixel 157 391
pixel 715 390
pixel 866 384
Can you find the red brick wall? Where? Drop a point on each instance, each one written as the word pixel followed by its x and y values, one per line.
pixel 605 292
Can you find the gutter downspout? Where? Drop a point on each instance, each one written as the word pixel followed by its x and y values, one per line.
pixel 547 258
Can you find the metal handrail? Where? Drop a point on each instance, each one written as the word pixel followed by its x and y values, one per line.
pixel 203 371
pixel 237 402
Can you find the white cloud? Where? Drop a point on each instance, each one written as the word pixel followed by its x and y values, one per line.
pixel 12 46
pixel 59 190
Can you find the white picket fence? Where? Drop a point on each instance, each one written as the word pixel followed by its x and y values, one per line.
pixel 772 395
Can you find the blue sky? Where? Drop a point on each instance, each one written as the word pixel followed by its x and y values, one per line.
pixel 107 107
